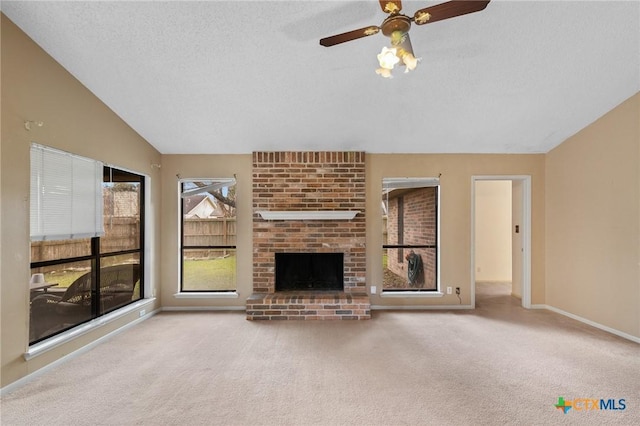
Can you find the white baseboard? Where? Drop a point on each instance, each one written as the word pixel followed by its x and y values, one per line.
pixel 539 306
pixel 588 322
pixel 203 308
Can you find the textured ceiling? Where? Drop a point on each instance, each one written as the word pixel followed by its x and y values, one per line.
pixel 238 76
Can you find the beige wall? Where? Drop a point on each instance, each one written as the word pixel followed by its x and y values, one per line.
pixel 205 166
pixel 456 170
pixel 35 87
pixel 455 215
pixel 493 230
pixel 592 217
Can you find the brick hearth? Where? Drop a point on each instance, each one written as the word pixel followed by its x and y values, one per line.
pixel 325 305
pixel 309 182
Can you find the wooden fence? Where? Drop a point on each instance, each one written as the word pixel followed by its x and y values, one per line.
pixel 121 233
pixel 209 232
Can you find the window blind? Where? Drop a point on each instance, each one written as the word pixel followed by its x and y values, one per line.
pixel 66 195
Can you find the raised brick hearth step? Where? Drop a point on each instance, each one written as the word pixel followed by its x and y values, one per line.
pixel 308 305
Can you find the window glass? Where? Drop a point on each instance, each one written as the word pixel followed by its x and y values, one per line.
pixel 209 270
pixel 64 290
pixel 121 193
pixel 60 249
pixel 119 281
pixel 208 251
pixel 410 234
pixel 60 300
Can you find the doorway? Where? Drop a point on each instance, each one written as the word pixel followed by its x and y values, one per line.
pixel 501 235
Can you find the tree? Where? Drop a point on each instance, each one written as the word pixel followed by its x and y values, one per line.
pixel 226 202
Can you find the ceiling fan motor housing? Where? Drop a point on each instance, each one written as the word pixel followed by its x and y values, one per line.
pixel 396 23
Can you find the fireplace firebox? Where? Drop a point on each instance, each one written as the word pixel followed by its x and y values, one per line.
pixel 309 271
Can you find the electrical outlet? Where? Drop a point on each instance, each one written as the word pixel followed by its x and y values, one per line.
pixel 142 312
pixel 373 289
pixel 448 290
pixel 458 291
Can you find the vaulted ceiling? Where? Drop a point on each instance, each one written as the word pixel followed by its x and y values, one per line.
pixel 242 76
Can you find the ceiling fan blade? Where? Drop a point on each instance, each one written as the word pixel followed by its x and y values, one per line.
pixel 391 6
pixel 351 35
pixel 447 10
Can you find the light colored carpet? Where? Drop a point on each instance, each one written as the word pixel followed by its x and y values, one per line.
pixel 499 364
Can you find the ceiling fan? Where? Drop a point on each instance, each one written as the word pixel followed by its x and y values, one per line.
pixel 396 27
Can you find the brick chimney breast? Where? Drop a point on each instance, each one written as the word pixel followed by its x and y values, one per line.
pixel 309 182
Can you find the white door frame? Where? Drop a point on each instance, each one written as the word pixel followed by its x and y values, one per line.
pixel 526 236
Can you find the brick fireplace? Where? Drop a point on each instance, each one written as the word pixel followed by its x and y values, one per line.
pixel 308 202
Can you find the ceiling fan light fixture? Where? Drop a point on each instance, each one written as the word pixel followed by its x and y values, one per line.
pixel 401 52
pixel 384 72
pixel 388 57
pixel 398 37
pixel 410 61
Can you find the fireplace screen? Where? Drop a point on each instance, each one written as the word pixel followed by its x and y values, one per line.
pixel 309 271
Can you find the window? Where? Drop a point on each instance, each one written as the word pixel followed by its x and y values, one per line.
pixel 410 234
pixel 77 280
pixel 208 235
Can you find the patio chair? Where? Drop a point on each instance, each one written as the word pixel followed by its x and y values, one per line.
pixel 51 313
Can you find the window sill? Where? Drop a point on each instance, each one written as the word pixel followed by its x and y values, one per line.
pixel 411 294
pixel 207 295
pixel 69 335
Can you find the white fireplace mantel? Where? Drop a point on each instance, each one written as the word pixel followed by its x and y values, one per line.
pixel 308 215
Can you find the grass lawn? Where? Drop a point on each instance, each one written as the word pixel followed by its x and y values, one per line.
pixel 63 278
pixel 216 274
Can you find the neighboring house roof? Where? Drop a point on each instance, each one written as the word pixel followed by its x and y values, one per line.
pixel 200 206
pixel 188 203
